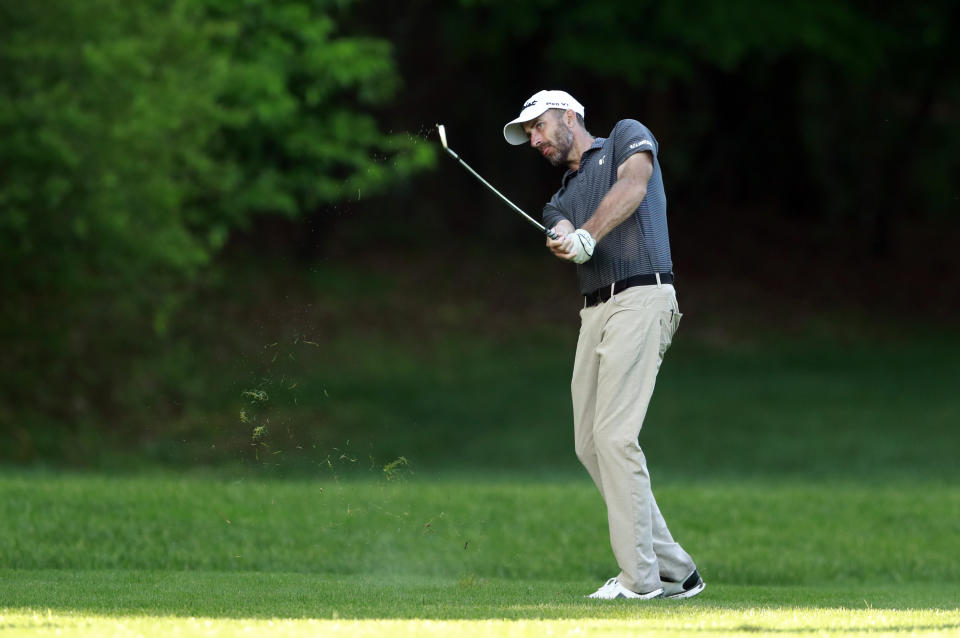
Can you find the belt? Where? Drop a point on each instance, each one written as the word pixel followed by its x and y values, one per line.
pixel 601 295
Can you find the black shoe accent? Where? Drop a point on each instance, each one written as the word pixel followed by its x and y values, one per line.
pixel 691 582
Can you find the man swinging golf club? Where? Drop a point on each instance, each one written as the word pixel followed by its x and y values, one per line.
pixel 610 216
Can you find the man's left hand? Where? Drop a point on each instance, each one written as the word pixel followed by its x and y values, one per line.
pixel 579 246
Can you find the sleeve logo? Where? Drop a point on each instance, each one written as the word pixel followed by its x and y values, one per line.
pixel 641 143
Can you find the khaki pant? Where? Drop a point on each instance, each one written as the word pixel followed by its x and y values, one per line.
pixel 621 346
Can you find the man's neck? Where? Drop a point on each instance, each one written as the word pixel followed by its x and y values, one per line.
pixel 581 142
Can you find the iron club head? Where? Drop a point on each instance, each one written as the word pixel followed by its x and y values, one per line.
pixel 443 135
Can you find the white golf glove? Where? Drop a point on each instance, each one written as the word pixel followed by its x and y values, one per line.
pixel 582 245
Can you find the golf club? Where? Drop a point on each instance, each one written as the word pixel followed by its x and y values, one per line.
pixel 443 140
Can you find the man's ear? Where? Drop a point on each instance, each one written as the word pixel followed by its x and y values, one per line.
pixel 569 118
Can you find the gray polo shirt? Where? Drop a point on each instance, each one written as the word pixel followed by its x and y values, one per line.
pixel 638 246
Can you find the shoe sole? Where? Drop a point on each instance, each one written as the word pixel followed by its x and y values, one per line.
pixel 690 593
pixel 651 596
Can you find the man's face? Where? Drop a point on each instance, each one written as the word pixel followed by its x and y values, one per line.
pixel 551 137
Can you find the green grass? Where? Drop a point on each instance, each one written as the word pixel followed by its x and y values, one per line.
pixel 655 620
pixel 416 477
pixel 300 605
pixel 803 408
pixel 155 554
pixel 759 533
pixel 335 368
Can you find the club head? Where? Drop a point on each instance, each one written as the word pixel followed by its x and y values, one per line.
pixel 443 135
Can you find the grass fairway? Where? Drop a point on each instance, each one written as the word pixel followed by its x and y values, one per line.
pixel 725 615
pixel 815 483
pixel 160 556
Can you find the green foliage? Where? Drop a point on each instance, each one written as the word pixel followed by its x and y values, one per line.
pixel 106 108
pixel 300 132
pixel 134 137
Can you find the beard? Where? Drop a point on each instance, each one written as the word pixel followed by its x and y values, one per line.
pixel 562 145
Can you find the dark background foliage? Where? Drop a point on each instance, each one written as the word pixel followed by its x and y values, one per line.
pixel 184 183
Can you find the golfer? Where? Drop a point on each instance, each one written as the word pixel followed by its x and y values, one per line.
pixel 611 216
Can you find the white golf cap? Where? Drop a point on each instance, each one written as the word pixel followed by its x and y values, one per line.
pixel 536 106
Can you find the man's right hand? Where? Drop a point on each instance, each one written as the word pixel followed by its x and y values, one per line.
pixel 561 247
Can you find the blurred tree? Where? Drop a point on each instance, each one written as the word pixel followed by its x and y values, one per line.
pixel 300 130
pixel 105 110
pixel 133 138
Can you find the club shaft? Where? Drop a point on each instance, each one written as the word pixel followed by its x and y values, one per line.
pixel 543 229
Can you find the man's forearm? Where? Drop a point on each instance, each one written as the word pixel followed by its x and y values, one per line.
pixel 618 204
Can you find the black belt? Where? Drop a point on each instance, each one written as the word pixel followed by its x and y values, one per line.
pixel 601 295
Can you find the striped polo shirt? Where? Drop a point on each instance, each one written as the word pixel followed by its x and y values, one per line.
pixel 638 246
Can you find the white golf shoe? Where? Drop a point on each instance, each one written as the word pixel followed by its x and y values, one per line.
pixel 612 589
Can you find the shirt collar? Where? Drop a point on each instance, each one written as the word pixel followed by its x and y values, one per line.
pixel 597 143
